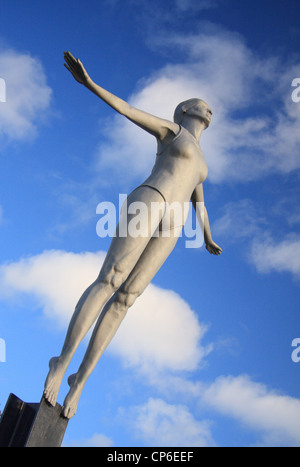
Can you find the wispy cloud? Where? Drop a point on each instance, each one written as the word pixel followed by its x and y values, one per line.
pixel 193 6
pixel 96 441
pixel 243 220
pixel 162 424
pixel 240 220
pixel 254 130
pixel 270 415
pixel 255 122
pixel 155 15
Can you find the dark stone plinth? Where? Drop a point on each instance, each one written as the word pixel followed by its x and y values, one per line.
pixel 31 424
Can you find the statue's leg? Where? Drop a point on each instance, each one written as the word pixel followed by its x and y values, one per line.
pixel 123 254
pixel 156 252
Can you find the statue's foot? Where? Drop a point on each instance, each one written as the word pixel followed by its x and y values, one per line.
pixel 53 380
pixel 72 398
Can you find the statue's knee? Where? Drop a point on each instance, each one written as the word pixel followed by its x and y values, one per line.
pixel 114 277
pixel 126 299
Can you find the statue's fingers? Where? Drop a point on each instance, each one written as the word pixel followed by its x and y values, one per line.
pixel 69 60
pixel 70 69
pixel 73 73
pixel 67 67
pixel 69 55
pixel 72 66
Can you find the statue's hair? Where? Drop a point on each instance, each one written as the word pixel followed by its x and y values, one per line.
pixel 183 107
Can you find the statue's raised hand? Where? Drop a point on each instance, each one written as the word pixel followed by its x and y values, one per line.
pixel 76 68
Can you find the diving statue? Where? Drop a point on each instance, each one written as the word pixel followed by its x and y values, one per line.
pixel 132 261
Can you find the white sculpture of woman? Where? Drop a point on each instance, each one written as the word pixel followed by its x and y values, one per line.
pixel 131 262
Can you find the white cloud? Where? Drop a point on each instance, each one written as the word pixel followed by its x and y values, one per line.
pixel 160 336
pixel 27 94
pixel 160 331
pixel 274 416
pixel 163 424
pixel 222 70
pixel 284 256
pixel 56 279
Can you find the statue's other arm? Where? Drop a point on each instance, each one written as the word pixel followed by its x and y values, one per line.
pixel 156 126
pixel 198 197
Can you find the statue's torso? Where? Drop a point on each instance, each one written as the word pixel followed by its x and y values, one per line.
pixel 179 167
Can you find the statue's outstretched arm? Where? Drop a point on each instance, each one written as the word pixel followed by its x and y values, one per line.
pixel 198 197
pixel 156 126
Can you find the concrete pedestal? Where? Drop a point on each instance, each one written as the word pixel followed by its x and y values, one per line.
pixel 31 424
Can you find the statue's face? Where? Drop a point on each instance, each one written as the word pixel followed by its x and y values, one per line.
pixel 202 111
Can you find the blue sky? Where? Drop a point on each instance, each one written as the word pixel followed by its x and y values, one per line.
pixel 204 356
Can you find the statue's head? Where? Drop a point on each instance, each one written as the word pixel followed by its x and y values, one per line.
pixel 193 107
